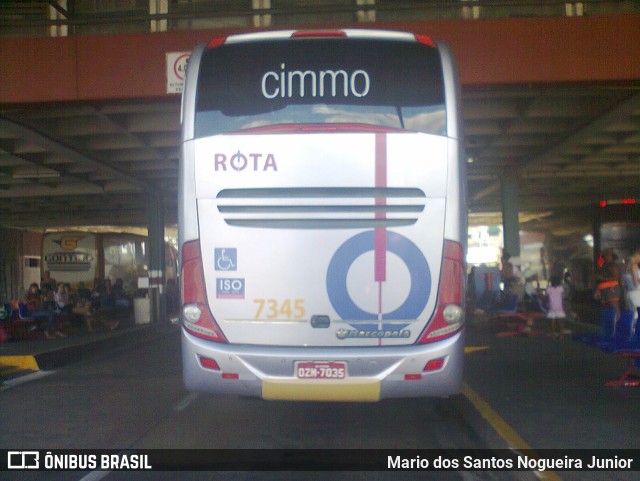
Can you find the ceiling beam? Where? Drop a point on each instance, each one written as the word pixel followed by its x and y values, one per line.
pixel 527 167
pixel 623 110
pixel 47 144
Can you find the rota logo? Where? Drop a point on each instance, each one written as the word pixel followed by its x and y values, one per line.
pixel 240 162
pixel 69 243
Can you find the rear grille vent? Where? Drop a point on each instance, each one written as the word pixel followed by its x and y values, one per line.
pixel 321 208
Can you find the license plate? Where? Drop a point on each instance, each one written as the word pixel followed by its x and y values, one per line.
pixel 321 370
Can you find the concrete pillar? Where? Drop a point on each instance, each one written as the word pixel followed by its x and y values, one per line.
pixel 157 291
pixel 510 222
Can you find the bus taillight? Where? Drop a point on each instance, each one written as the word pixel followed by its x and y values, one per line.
pixel 449 316
pixel 425 40
pixel 216 42
pixel 196 315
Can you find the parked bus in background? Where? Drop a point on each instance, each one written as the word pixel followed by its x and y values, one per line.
pixel 616 226
pixel 322 217
pixel 77 256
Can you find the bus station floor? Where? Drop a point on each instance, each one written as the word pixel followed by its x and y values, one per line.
pixel 536 392
pixel 544 393
pixel 22 357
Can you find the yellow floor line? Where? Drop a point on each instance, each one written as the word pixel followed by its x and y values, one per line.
pixel 23 362
pixel 472 349
pixel 506 432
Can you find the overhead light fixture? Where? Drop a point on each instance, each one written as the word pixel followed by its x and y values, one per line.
pixel 39 173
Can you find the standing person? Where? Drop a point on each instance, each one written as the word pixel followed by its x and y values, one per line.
pixel 608 281
pixel 108 301
pixel 512 279
pixel 95 294
pixel 569 297
pixel 555 296
pixel 531 294
pixel 471 290
pixel 48 282
pixel 507 271
pixel 632 277
pixel 106 294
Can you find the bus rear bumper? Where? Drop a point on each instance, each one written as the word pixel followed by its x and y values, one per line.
pixel 373 373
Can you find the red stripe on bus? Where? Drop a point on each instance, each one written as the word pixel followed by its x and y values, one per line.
pixel 380 235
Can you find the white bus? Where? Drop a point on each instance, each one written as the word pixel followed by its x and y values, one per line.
pixel 322 217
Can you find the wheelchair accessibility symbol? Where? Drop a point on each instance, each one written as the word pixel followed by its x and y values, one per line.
pixel 226 259
pixel 413 259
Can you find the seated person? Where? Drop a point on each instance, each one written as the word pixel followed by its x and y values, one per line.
pixel 83 293
pixel 106 294
pixel 106 301
pixel 119 295
pixel 61 297
pixel 40 308
pixel 83 313
pixel 532 298
pixel 82 301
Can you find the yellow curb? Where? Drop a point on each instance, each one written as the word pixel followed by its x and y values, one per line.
pixel 472 349
pixel 23 362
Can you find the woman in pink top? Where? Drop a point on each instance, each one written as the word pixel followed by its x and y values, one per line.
pixel 556 312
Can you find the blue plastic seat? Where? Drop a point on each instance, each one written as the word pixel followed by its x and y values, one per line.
pixel 622 336
pixel 511 306
pixel 631 345
pixel 607 322
pixel 605 334
pixel 629 349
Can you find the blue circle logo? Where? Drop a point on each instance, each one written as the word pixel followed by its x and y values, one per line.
pixel 397 244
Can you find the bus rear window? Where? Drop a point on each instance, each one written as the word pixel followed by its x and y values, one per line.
pixel 320 81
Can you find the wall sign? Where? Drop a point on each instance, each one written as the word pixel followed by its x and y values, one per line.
pixel 176 71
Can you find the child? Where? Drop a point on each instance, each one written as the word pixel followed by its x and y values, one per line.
pixel 556 309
